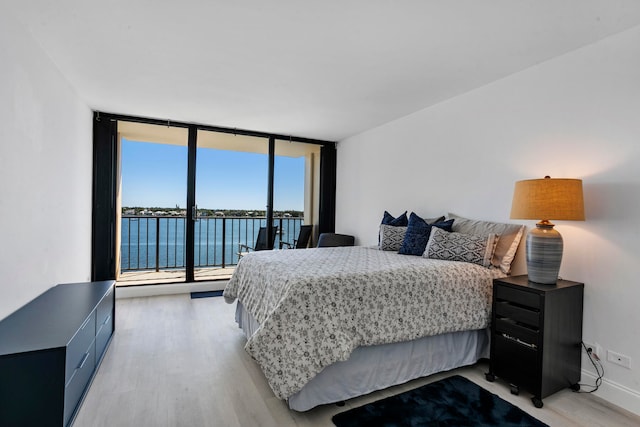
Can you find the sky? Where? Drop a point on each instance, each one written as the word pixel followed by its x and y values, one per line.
pixel 155 175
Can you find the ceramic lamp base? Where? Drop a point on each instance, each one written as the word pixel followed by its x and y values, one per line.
pixel 544 254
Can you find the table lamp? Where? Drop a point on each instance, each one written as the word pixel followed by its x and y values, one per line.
pixel 546 199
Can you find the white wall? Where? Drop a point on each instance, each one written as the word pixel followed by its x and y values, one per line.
pixel 45 173
pixel 576 116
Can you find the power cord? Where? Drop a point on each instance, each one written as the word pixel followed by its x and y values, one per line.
pixel 595 361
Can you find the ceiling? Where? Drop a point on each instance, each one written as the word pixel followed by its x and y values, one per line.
pixel 324 69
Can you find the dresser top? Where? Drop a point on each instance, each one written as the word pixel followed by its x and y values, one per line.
pixel 51 319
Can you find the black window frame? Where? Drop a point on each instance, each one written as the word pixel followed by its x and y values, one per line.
pixel 105 167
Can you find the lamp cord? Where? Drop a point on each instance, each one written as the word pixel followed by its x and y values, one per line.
pixel 595 361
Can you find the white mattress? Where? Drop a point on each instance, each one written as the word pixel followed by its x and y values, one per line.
pixel 377 367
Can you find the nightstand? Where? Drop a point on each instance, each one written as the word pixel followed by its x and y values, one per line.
pixel 536 335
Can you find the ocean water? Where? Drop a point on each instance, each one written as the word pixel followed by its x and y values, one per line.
pixel 217 240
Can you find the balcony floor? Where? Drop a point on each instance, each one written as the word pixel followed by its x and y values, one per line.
pixel 152 277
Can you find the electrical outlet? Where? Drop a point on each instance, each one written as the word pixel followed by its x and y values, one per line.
pixel 619 359
pixel 599 351
pixel 596 350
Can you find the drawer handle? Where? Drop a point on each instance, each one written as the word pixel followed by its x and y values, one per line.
pixel 106 320
pixel 85 322
pixel 84 360
pixel 519 341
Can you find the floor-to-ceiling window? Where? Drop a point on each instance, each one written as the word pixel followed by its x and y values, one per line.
pixel 239 183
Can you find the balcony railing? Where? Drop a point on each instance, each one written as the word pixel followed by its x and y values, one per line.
pixel 158 242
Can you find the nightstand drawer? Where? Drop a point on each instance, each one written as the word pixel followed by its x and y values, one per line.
pixel 515 362
pixel 517 331
pixel 527 299
pixel 518 313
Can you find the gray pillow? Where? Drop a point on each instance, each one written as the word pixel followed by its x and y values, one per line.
pixel 509 236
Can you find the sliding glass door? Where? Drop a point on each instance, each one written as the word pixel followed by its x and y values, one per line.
pixel 153 173
pixel 231 200
pixel 296 189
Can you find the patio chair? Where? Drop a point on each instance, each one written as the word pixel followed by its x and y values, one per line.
pixel 327 240
pixel 303 238
pixel 261 242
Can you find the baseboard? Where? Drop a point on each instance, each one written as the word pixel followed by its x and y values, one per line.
pixel 168 289
pixel 614 393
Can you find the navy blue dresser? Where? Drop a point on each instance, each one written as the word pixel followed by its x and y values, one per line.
pixel 50 350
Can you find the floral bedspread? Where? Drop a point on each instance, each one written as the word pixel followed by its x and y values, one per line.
pixel 315 306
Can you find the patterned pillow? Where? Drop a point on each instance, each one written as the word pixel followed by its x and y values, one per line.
pixel 391 237
pixel 509 236
pixel 461 247
pixel 418 231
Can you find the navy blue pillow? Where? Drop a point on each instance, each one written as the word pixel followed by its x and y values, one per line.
pixel 445 225
pixel 418 232
pixel 400 221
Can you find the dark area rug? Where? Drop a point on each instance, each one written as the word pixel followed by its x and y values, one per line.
pixel 206 294
pixel 453 401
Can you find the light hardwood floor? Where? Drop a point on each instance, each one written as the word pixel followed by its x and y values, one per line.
pixel 177 361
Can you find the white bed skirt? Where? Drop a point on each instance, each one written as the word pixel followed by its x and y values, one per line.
pixel 377 367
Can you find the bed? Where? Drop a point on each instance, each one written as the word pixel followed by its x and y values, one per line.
pixel 329 324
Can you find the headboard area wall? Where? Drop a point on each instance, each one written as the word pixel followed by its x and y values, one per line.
pixel 570 117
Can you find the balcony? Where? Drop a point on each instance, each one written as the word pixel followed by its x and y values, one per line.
pixel 152 248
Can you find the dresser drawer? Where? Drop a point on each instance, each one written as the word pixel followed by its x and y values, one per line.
pixel 524 298
pixel 105 310
pixel 517 331
pixel 102 338
pixel 78 345
pixel 80 377
pixel 518 313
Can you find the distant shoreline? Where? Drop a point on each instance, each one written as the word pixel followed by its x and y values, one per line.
pixel 176 211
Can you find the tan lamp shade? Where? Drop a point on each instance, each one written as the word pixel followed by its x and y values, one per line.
pixel 548 199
